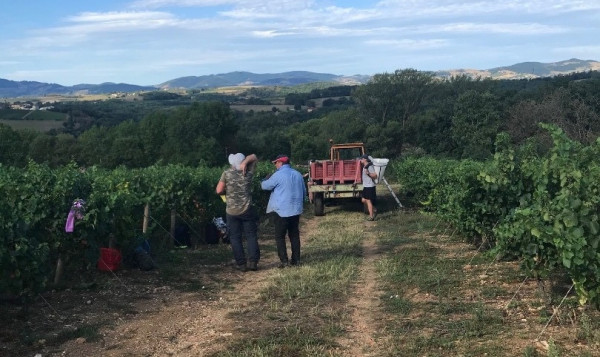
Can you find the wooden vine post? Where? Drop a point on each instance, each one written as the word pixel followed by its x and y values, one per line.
pixel 60 266
pixel 146 219
pixel 172 231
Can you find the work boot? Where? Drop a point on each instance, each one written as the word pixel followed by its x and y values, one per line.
pixel 283 264
pixel 252 266
pixel 240 267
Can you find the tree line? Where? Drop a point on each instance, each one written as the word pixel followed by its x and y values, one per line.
pixel 406 112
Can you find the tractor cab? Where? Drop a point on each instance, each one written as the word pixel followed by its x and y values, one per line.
pixel 347 151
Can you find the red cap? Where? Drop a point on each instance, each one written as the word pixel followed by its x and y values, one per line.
pixel 282 158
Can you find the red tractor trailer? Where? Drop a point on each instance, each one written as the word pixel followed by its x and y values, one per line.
pixel 339 177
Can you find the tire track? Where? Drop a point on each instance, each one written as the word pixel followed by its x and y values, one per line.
pixel 364 337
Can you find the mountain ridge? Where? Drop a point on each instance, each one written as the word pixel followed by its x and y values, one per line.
pixel 523 70
pixel 528 70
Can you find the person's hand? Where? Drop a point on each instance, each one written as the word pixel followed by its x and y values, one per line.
pixel 243 167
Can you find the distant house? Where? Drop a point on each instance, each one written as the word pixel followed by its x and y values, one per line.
pixel 22 106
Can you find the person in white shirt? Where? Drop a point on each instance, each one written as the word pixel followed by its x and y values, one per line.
pixel 369 194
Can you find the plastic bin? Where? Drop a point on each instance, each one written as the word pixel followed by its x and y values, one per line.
pixel 380 165
pixel 110 259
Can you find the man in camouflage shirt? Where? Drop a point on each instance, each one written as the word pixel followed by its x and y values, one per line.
pixel 236 184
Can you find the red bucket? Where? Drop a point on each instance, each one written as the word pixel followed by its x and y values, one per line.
pixel 110 259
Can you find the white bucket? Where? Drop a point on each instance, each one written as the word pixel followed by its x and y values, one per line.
pixel 379 165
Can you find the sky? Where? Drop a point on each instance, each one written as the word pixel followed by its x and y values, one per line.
pixel 149 42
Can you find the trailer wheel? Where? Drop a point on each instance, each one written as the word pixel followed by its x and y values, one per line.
pixel 319 204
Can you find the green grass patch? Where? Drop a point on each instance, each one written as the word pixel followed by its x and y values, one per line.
pixel 290 341
pixel 301 311
pixel 424 292
pixel 315 282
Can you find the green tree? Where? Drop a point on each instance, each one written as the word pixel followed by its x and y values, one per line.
pixel 12 151
pixel 151 130
pixel 310 139
pixel 127 147
pixel 571 111
pixel 199 133
pixel 95 145
pixel 475 124
pixel 393 97
pixel 66 149
pixel 41 149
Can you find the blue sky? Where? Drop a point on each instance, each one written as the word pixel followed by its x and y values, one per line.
pixel 148 42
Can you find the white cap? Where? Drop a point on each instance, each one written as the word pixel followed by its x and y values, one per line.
pixel 236 159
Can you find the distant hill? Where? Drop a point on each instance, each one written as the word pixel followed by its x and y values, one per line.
pixel 253 79
pixel 12 89
pixel 109 87
pixel 25 88
pixel 528 70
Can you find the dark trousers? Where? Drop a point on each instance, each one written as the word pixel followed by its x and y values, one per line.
pixel 289 226
pixel 246 224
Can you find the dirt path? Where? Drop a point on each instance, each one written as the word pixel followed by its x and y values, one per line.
pixel 363 334
pixel 183 325
pixel 192 324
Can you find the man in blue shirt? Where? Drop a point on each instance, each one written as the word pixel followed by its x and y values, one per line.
pixel 286 202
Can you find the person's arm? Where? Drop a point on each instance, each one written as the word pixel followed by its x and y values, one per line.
pixel 270 183
pixel 220 188
pixel 304 189
pixel 371 172
pixel 248 162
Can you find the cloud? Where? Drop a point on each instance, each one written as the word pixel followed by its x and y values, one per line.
pixel 442 8
pixel 155 4
pixel 272 33
pixel 119 17
pixel 498 28
pixel 409 44
pixel 110 21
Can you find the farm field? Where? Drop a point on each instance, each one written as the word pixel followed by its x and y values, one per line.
pixel 261 108
pixel 403 285
pixel 39 125
pixel 40 120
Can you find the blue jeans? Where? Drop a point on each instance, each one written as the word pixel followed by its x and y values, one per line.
pixel 243 224
pixel 287 225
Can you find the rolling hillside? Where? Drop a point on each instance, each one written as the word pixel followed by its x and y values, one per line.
pixel 12 89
